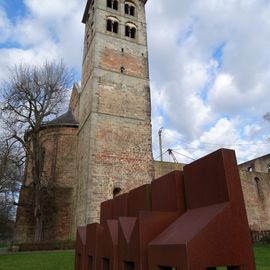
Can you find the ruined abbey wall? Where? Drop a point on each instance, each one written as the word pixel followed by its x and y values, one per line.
pixel 256 189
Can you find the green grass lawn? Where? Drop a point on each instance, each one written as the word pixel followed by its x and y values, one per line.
pixel 64 260
pixel 262 256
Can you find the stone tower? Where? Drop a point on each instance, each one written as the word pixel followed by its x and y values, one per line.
pixel 114 138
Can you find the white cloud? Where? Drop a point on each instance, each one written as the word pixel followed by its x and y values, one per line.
pixel 209 66
pixel 207 62
pixel 5 26
pixel 50 30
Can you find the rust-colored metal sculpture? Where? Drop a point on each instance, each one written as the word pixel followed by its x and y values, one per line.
pixel 191 220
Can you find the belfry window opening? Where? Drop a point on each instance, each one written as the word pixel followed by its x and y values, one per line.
pixel 112 4
pixel 112 25
pixel 130 31
pixel 129 8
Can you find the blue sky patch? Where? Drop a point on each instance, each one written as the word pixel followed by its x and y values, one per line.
pixel 218 54
pixel 14 9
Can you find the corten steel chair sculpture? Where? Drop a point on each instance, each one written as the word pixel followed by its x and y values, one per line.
pixel 187 220
pixel 214 231
pixel 80 248
pixel 144 222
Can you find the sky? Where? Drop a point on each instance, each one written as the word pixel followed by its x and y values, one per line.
pixel 209 66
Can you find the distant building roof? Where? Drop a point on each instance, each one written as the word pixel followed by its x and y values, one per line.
pixel 66 119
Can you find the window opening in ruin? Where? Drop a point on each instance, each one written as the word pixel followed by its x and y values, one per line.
pixel 106 264
pixel 133 33
pixel 129 266
pixel 258 186
pixel 90 263
pixel 117 190
pixel 109 3
pixel 268 168
pixel 115 5
pixel 127 31
pixel 167 268
pixel 251 168
pixel 115 27
pixel 112 25
pixel 130 9
pixel 112 4
pixel 109 25
pixel 130 31
pixel 126 8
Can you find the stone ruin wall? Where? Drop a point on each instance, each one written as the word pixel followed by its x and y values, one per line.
pixel 257 199
pixel 163 167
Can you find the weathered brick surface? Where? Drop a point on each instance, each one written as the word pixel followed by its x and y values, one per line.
pixel 59 145
pixel 114 138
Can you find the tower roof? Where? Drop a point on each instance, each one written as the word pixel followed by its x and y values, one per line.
pixel 66 119
pixel 84 19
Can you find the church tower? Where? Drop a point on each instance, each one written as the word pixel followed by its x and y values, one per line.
pixel 114 138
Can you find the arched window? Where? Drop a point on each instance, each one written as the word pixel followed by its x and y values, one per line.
pixel 109 3
pixel 112 25
pixel 129 8
pixel 112 4
pixel 126 8
pixel 115 5
pixel 130 30
pixel 132 11
pixel 133 32
pixel 116 192
pixel 127 31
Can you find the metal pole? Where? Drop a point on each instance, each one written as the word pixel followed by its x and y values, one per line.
pixel 160 143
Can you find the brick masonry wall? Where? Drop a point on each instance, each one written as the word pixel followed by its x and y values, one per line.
pixel 114 137
pixel 60 145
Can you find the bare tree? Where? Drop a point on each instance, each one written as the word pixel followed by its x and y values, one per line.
pixel 10 169
pixel 31 96
pixel 10 178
